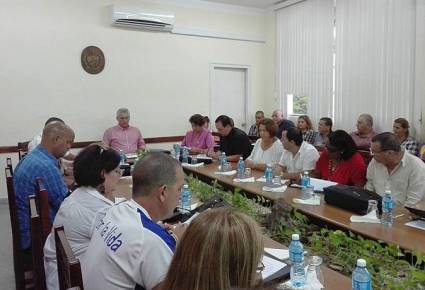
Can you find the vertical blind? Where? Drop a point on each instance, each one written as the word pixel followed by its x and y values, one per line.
pixel 374 49
pixel 305 38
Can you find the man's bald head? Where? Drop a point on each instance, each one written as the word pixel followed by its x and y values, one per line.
pixel 277 116
pixel 57 138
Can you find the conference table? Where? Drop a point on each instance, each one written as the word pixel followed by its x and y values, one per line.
pixel 406 237
pixel 333 280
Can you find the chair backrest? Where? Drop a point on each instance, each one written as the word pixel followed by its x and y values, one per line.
pixel 43 207
pixel 9 164
pixel 22 268
pixel 69 269
pixel 37 245
pixel 22 149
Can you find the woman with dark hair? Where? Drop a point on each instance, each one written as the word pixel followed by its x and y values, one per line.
pixel 267 149
pixel 306 127
pixel 401 130
pixel 199 140
pixel 340 162
pixel 96 172
pixel 227 246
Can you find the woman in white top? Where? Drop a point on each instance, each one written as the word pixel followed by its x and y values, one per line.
pixel 96 172
pixel 268 149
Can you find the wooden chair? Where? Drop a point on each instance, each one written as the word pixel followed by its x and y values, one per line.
pixel 9 164
pixel 43 207
pixel 69 269
pixel 23 268
pixel 37 245
pixel 22 149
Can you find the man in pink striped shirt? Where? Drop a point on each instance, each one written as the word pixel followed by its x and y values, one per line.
pixel 123 136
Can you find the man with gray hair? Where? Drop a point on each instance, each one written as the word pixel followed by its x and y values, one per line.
pixel 123 136
pixel 128 247
pixel 282 123
pixel 395 169
pixel 43 162
pixel 364 134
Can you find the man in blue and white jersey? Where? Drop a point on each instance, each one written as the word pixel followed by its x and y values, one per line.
pixel 128 247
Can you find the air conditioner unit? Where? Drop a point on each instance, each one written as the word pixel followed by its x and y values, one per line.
pixel 142 19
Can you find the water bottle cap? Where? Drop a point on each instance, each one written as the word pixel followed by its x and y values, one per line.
pixel 387 191
pixel 295 237
pixel 185 186
pixel 240 158
pixel 361 263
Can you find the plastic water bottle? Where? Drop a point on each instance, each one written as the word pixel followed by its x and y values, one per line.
pixel 223 161
pixel 268 175
pixel 387 209
pixel 185 155
pixel 241 168
pixel 122 157
pixel 305 179
pixel 186 198
pixel 177 149
pixel 361 277
pixel 296 256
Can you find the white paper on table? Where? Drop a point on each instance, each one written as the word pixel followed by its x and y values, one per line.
pixel 126 177
pixel 271 266
pixel 281 254
pixel 228 173
pixel 319 184
pixel 263 179
pixel 193 205
pixel 314 200
pixel 203 156
pixel 131 155
pixel 275 189
pixel 119 199
pixel 249 179
pixel 419 224
pixel 369 218
pixel 187 222
pixel 193 165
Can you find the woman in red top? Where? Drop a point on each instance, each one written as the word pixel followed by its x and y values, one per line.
pixel 340 162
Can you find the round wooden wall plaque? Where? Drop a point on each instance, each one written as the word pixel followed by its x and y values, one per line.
pixel 92 59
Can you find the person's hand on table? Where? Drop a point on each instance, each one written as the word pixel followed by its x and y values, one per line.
pixel 177 230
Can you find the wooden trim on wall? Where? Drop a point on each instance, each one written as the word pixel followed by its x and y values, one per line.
pixel 82 144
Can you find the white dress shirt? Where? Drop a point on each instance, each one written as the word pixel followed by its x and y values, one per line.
pixel 269 156
pixel 127 248
pixel 35 141
pixel 305 159
pixel 406 181
pixel 78 213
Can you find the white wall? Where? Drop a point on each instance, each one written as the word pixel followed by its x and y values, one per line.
pixel 162 78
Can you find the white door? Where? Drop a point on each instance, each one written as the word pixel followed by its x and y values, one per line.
pixel 229 94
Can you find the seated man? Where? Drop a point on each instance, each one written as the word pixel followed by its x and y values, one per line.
pixel 123 136
pixel 395 169
pixel 36 140
pixel 128 247
pixel 233 141
pixel 324 130
pixel 282 123
pixel 42 162
pixel 298 156
pixel 253 131
pixel 364 134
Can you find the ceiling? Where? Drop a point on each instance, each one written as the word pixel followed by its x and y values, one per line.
pixel 248 3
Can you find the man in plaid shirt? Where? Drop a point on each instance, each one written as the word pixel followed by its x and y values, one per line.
pixel 253 131
pixel 42 162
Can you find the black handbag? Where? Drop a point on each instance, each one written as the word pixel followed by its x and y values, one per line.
pixel 351 198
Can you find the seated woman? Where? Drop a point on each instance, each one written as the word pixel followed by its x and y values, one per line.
pixel 401 130
pixel 221 249
pixel 324 130
pixel 199 140
pixel 364 134
pixel 306 127
pixel 340 162
pixel 267 149
pixel 96 172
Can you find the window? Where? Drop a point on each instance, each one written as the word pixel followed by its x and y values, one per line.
pixel 296 105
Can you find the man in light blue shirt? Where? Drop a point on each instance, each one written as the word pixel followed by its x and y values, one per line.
pixel 42 162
